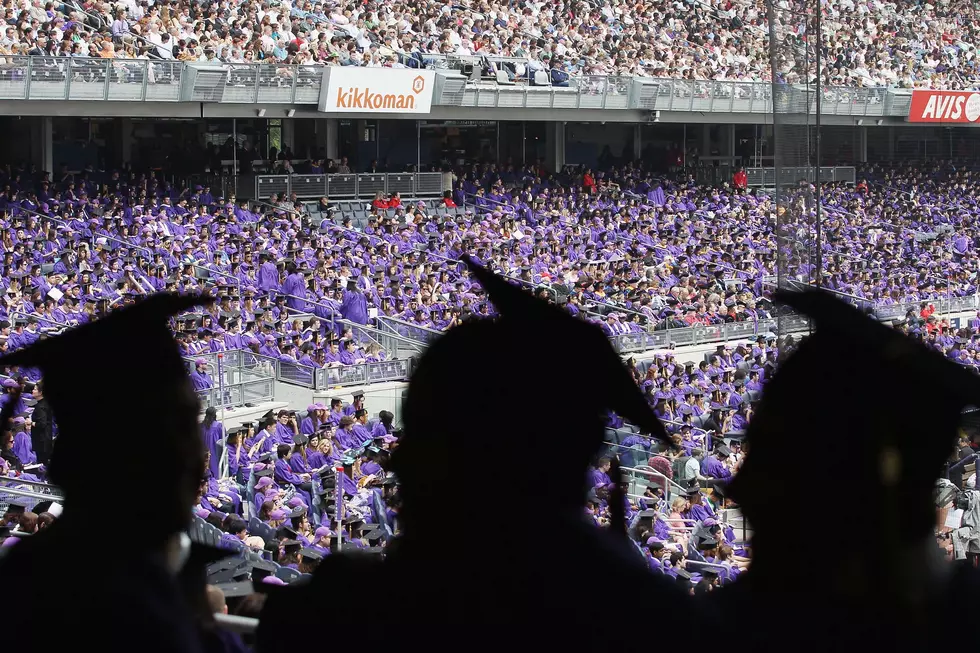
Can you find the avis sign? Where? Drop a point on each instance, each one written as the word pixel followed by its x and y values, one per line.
pixel 945 106
pixel 350 89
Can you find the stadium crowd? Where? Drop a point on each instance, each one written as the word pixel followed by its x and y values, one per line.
pixel 871 44
pixel 623 248
pixel 620 247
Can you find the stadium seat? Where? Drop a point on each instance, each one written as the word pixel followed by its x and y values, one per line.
pixel 287 574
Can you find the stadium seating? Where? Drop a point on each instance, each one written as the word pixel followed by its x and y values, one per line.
pixel 870 44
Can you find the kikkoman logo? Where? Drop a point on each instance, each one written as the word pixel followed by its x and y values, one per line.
pixel 365 98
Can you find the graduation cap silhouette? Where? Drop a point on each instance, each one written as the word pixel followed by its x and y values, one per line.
pixel 886 423
pixel 490 391
pixel 115 377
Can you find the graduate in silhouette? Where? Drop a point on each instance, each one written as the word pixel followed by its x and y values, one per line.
pixel 858 566
pixel 119 380
pixel 501 419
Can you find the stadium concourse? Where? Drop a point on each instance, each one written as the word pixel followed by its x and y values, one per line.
pixel 307 285
pixel 872 43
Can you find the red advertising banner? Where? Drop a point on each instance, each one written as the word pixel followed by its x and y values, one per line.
pixel 945 106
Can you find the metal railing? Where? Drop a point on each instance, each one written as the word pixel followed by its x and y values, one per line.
pixel 363 374
pixel 704 334
pixel 239 378
pixel 407 330
pixel 349 186
pixel 84 78
pixel 155 80
pixel 39 492
pixel 767 176
pixel 247 377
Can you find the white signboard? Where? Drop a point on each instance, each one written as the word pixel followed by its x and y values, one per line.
pixel 352 89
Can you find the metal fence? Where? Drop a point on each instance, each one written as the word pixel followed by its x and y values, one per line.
pixel 247 377
pixel 352 186
pixel 767 176
pixel 706 334
pixel 83 78
pixel 408 330
pixel 346 375
pixel 28 493
pixel 239 378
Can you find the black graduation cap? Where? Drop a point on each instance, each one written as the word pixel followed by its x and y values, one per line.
pixel 525 352
pixel 105 363
pixel 262 568
pixel 892 450
pixel 200 568
pixel 291 546
pixel 310 554
pixel 235 590
pixel 42 506
pixel 16 507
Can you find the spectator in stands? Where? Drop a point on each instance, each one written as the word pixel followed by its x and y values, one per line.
pixel 43 423
pixel 200 377
pixel 715 466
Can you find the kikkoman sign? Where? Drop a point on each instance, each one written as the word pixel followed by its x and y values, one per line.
pixel 351 89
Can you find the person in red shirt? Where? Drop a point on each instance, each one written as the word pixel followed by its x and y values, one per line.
pixel 926 310
pixel 740 180
pixel 395 201
pixel 447 200
pixel 380 202
pixel 588 182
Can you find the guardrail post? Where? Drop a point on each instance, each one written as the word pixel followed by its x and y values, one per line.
pixel 30 76
pixel 146 79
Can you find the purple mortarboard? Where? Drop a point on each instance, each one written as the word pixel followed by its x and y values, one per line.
pixel 10 383
pixel 278 514
pixel 263 482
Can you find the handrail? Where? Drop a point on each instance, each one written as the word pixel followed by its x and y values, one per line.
pixel 316 303
pixel 21 481
pixel 433 332
pixel 39 318
pixel 647 468
pixel 394 336
pixel 17 492
pixel 279 208
pixel 237 624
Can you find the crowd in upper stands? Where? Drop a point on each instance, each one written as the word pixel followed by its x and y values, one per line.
pixel 871 44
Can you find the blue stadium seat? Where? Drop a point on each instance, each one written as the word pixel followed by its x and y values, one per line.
pixel 287 574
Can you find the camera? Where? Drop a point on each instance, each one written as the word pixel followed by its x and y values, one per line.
pixel 963 501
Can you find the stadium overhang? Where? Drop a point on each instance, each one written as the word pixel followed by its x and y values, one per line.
pixel 122 109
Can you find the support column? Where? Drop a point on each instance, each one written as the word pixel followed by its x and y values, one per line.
pixel 637 142
pixel 704 149
pixel 730 140
pixel 555 146
pixel 288 134
pixel 47 144
pixel 862 145
pixel 332 136
pixel 125 140
pixel 891 143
